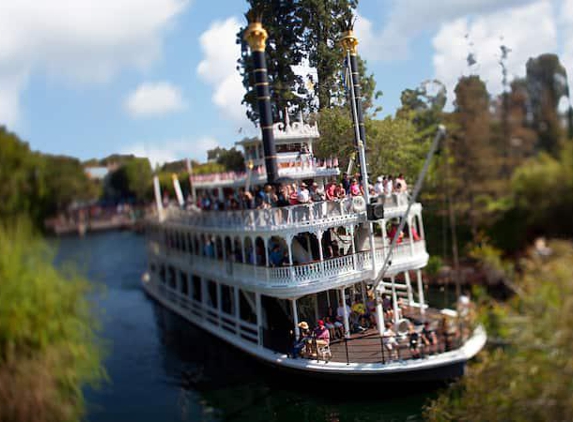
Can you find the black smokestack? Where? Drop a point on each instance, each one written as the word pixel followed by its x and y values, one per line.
pixel 256 36
pixel 349 43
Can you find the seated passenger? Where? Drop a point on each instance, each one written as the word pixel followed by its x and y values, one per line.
pixel 429 338
pixel 389 341
pixel 302 344
pixel 322 334
pixel 413 338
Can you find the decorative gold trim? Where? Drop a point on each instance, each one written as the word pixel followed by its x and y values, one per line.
pixel 256 36
pixel 264 97
pixel 260 69
pixel 349 42
pixel 261 83
pixel 266 127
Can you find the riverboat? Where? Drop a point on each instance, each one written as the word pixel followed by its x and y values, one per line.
pixel 257 277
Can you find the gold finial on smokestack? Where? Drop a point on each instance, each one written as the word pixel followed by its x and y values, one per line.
pixel 256 36
pixel 349 41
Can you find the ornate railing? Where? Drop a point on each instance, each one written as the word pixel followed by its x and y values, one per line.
pixel 278 218
pixel 329 270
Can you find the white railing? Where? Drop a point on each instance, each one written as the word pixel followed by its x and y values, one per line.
pixel 269 218
pixel 330 270
pixel 277 218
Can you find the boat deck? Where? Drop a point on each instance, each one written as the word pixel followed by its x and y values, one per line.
pixel 366 347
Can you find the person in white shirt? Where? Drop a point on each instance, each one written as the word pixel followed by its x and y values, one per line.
pixel 389 186
pixel 303 195
pixel 379 186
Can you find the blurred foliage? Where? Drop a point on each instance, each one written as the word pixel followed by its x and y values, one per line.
pixel 530 379
pixel 48 333
pixel 435 263
pixel 132 180
pixel 37 184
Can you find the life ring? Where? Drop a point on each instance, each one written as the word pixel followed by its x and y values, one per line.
pixel 402 326
pixel 358 204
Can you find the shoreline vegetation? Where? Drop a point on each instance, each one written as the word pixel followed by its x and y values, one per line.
pixel 49 344
pixel 529 377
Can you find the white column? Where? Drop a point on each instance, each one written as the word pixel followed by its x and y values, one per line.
pixel 422 234
pixel 237 309
pixel 266 246
pixel 420 292
pixel 289 247
pixel 259 311
pixel 328 298
pixel 409 287
pixel 353 247
pixel 295 318
pixel 316 313
pixel 158 199
pixel 219 305
pixel 394 300
pixel 345 315
pixel 319 234
pixel 410 237
pixel 379 312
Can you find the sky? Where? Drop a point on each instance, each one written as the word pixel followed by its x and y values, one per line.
pixel 158 78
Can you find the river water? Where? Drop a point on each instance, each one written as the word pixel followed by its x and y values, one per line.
pixel 162 368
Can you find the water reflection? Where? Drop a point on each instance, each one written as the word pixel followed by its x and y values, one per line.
pixel 234 386
pixel 162 368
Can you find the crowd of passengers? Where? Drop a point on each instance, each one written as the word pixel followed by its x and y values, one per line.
pixel 302 193
pixel 430 337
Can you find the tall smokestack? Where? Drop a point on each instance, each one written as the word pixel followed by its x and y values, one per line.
pixel 349 43
pixel 256 36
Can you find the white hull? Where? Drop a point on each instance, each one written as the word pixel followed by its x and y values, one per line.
pixel 434 367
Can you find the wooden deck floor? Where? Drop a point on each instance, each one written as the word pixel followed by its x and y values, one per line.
pixel 367 347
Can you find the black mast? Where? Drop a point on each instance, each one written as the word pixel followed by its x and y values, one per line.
pixel 256 36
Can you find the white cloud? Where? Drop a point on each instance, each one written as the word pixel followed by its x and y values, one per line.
pixel 154 98
pixel 218 68
pixel 408 18
pixel 81 40
pixel 528 31
pixel 172 150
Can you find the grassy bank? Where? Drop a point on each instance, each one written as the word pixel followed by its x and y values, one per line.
pixel 48 333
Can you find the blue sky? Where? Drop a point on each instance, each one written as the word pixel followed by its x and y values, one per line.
pixel 156 77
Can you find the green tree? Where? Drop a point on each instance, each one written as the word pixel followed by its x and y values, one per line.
pixel 132 180
pixel 324 21
pixel 476 164
pixel 284 50
pixel 49 347
pixel 232 159
pixel 547 84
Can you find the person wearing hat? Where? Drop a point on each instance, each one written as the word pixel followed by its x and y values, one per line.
pixel 316 195
pixel 321 335
pixel 303 342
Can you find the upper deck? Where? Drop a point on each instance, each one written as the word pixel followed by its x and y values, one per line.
pixel 314 214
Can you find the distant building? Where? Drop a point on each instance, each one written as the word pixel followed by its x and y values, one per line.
pixel 97 173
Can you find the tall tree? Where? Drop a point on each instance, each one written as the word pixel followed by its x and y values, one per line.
pixel 324 21
pixel 284 50
pixel 476 165
pixel 546 83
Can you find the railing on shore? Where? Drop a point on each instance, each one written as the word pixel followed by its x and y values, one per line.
pixel 277 218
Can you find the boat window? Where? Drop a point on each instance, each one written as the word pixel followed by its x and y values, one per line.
pixel 196 280
pixel 171 277
pixel 212 293
pixel 227 302
pixel 184 285
pixel 152 267
pixel 183 242
pixel 247 312
pixel 162 273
